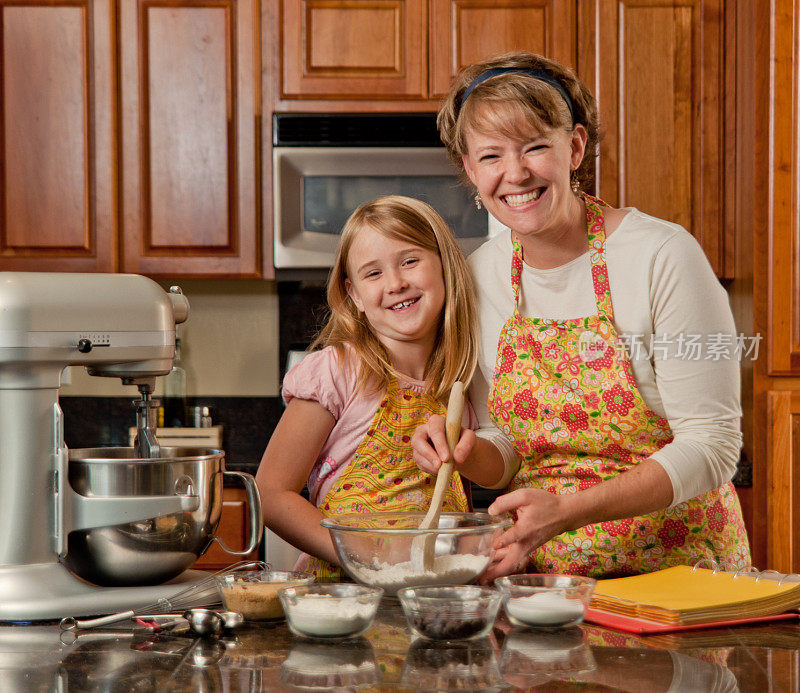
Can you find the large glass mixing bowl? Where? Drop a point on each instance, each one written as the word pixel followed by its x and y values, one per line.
pixel 387 549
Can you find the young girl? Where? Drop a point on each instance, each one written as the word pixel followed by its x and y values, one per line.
pixel 400 333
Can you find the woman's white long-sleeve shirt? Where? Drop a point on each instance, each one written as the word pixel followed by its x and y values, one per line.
pixel 674 319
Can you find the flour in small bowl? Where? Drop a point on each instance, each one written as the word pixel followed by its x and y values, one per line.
pixel 450 569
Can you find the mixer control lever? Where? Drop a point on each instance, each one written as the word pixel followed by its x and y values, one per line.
pixel 84 345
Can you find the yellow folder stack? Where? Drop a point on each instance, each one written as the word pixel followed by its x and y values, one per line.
pixel 685 595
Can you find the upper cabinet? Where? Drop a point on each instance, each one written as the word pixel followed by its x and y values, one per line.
pixel 780 268
pixel 465 31
pixel 354 49
pixel 132 137
pixel 155 173
pixel 657 68
pixel 188 87
pixel 58 202
pixel 408 49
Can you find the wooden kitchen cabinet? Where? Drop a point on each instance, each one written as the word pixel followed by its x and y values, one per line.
pixel 783 459
pixel 765 293
pixel 58 184
pixel 154 172
pixel 189 78
pixel 658 70
pixel 408 49
pixel 232 530
pixel 657 67
pixel 357 48
pixel 466 31
pixel 781 270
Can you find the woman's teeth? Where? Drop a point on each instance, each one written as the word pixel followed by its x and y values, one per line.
pixel 523 198
pixel 404 304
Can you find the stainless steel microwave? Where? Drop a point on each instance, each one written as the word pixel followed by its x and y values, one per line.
pixel 324 166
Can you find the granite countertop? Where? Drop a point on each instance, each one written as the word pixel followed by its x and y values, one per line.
pixel 269 658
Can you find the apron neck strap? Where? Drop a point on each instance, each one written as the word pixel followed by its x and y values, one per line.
pixel 596 236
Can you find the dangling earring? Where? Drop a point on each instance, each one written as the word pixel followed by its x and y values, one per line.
pixel 574 183
pixel 478 202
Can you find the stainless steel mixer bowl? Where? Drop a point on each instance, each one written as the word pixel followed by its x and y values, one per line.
pixel 154 550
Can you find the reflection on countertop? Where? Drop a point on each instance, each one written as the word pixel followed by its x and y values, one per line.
pixel 269 658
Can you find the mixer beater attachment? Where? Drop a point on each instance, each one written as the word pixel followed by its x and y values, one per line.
pixel 146 444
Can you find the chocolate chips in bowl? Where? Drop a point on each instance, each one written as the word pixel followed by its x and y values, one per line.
pixel 450 612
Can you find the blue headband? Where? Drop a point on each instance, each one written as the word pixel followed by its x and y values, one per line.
pixel 541 75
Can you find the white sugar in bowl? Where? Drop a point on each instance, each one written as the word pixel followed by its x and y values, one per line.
pixel 544 600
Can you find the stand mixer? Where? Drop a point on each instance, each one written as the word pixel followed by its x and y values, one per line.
pixel 115 325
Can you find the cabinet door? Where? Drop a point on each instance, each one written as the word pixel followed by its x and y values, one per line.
pixel 783 220
pixel 189 75
pixel 354 49
pixel 57 191
pixel 466 31
pixel 783 475
pixel 656 68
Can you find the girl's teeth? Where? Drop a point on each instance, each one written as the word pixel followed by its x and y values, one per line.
pixel 521 199
pixel 404 304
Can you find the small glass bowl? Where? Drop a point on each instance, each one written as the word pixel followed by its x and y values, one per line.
pixel 450 612
pixel 451 666
pixel 330 610
pixel 532 657
pixel 254 593
pixel 330 664
pixel 544 600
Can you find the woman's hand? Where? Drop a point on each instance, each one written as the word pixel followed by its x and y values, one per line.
pixel 429 443
pixel 540 517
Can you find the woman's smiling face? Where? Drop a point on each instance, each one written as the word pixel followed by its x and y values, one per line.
pixel 525 181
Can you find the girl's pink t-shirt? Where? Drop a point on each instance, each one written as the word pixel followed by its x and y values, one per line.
pixel 321 377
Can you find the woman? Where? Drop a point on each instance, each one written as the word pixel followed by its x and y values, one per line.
pixel 616 441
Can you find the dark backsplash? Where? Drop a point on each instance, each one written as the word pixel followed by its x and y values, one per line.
pixel 303 311
pixel 247 423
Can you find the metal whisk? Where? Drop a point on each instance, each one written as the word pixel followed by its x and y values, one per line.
pixel 204 592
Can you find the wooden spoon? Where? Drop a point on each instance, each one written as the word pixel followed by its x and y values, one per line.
pixel 455 409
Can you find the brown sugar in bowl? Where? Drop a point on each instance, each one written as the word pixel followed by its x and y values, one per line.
pixel 254 593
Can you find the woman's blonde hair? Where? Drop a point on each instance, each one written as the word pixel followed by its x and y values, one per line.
pixel 455 352
pixel 515 104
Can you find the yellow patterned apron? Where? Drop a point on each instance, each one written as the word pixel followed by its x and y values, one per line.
pixel 382 475
pixel 563 392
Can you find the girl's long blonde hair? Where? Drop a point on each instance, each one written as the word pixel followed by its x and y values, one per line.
pixel 455 350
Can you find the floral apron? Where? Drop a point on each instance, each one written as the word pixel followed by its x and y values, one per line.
pixel 563 392
pixel 382 475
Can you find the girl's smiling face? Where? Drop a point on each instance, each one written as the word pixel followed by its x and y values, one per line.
pixel 525 181
pixel 400 288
